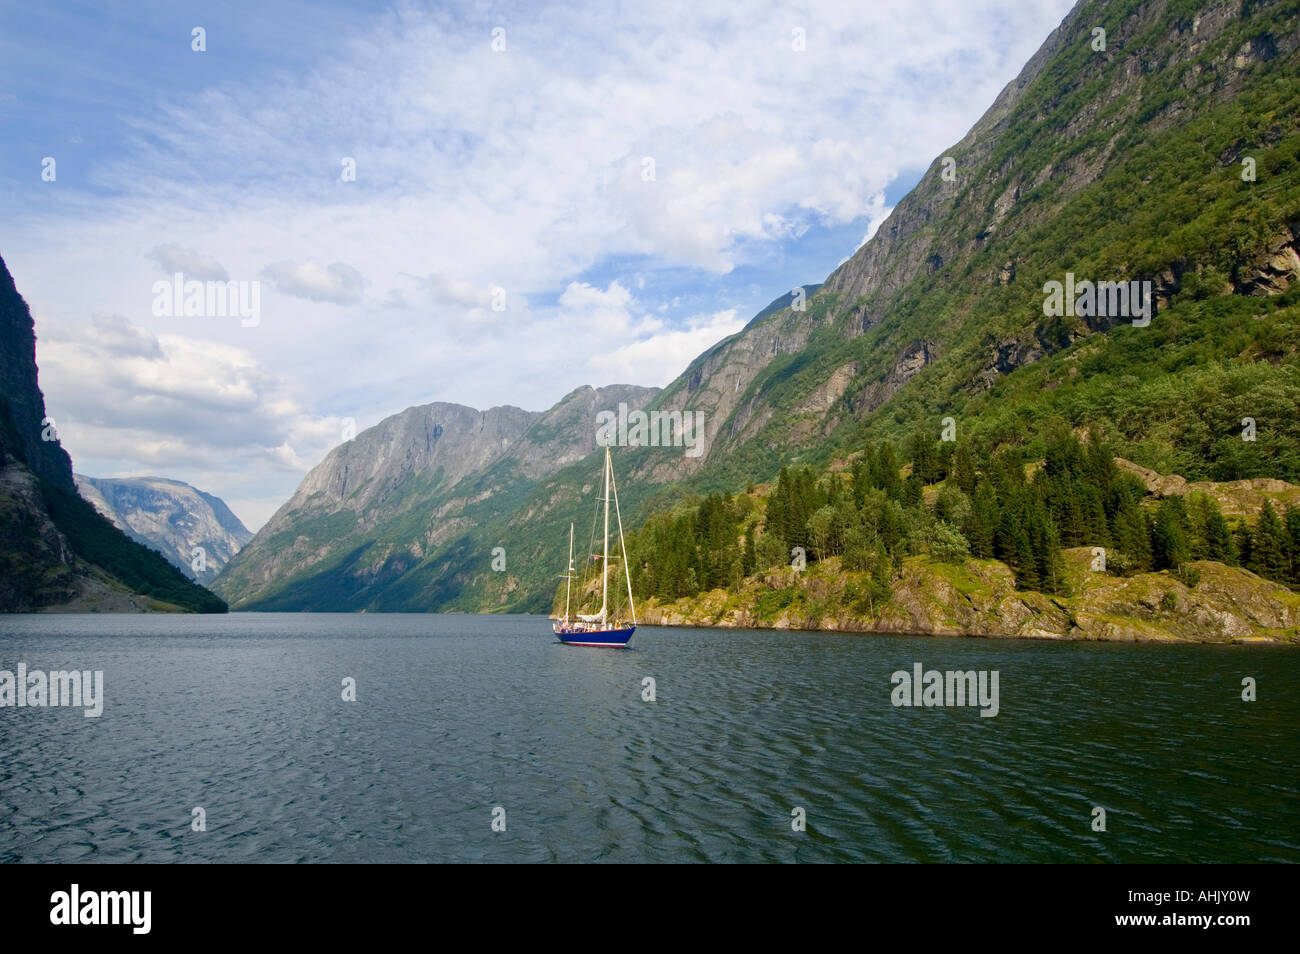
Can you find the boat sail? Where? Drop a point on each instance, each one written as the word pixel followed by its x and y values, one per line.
pixel 599 629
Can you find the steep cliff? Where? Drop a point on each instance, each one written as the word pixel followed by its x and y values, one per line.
pixel 361 527
pixel 196 532
pixel 56 551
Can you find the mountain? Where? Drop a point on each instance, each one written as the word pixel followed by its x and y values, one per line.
pixel 360 529
pixel 1090 161
pixel 56 551
pixel 1168 154
pixel 171 517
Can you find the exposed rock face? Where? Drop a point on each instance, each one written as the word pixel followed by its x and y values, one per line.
pixel 39 572
pixel 720 383
pixel 171 517
pixel 947 222
pixel 446 443
pixel 36 562
pixel 1276 270
pixel 362 473
pixel 40 515
pixel 979 598
pixel 1236 498
pixel 905 247
pixel 21 394
pixel 414 483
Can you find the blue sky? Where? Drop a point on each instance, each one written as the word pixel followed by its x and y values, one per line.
pixel 633 182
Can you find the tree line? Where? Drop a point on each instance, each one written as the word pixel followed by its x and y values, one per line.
pixel 939 498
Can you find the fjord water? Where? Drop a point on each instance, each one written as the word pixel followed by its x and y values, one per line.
pixel 243 716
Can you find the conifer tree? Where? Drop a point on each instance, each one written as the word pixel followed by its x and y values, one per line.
pixel 885 475
pixel 982 524
pixel 862 479
pixel 1170 541
pixel 749 558
pixel 1050 563
pixel 963 470
pixel 1269 546
pixel 1212 540
pixel 1244 543
pixel 913 492
pixel 1293 542
pixel 1130 530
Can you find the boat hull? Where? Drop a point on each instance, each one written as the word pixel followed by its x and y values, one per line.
pixel 614 638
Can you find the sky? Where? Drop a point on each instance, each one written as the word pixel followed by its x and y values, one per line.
pixel 478 203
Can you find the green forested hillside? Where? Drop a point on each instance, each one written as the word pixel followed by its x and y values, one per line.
pixel 1168 204
pixel 1122 164
pixel 953 505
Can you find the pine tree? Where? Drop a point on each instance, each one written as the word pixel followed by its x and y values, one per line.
pixel 1022 558
pixel 1051 564
pixel 913 492
pixel 862 481
pixel 1013 543
pixel 921 450
pixel 886 472
pixel 891 527
pixel 1269 546
pixel 1212 540
pixel 1170 541
pixel 1096 526
pixel 1293 541
pixel 963 470
pixel 982 524
pixel 1244 544
pixel 777 506
pixel 1100 468
pixel 1130 531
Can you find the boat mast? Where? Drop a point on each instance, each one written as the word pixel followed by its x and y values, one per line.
pixel 627 567
pixel 568 577
pixel 604 560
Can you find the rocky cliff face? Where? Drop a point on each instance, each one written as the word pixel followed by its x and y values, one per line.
pixel 171 517
pixel 56 552
pixel 979 598
pixel 29 436
pixel 406 488
pixel 972 223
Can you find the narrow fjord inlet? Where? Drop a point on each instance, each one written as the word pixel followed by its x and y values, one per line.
pixel 746 727
pixel 909 392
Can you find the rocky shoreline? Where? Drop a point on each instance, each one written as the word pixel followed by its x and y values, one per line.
pixel 979 598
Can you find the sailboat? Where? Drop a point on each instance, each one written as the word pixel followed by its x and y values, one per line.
pixel 599 629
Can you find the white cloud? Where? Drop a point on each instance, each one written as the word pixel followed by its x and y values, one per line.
pixel 522 170
pixel 877 212
pixel 640 348
pixel 659 358
pixel 338 283
pixel 195 265
pixel 132 402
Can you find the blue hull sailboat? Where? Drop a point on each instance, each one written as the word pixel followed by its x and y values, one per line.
pixel 599 629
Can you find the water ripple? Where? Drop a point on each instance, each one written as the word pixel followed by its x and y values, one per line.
pixel 243 716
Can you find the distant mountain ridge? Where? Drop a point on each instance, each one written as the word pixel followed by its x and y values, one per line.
pixel 173 518
pixel 410 486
